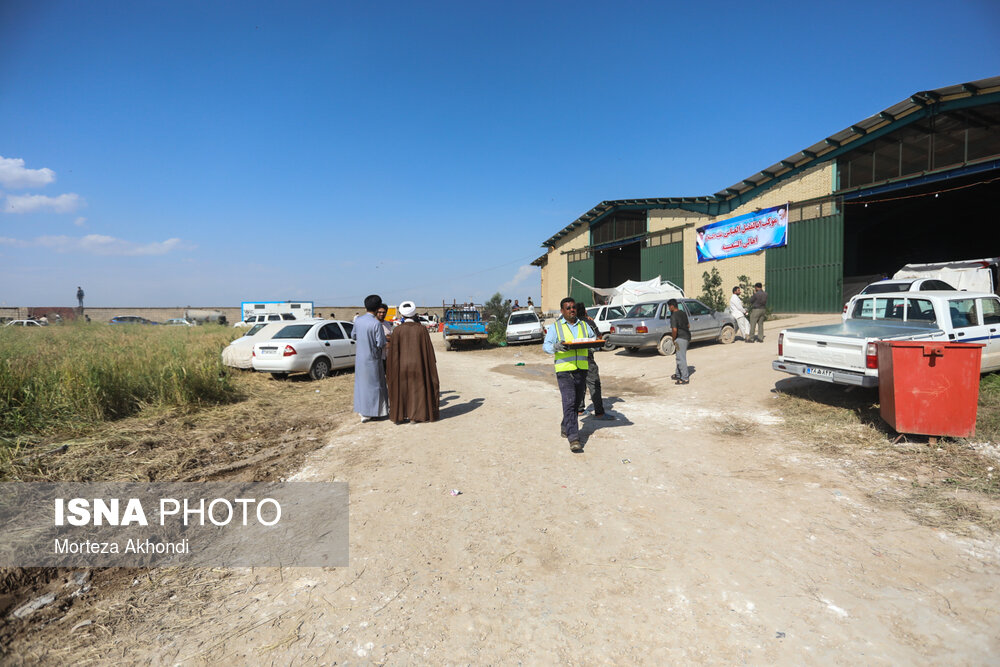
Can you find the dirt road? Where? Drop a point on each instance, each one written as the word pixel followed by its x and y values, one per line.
pixel 665 542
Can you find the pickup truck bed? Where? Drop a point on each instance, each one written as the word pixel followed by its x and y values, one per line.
pixel 836 352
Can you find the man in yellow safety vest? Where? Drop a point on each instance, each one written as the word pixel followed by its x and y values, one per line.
pixel 571 367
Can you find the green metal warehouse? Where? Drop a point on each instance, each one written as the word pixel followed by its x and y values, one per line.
pixel 917 182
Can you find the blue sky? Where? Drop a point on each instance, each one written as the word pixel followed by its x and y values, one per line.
pixel 209 153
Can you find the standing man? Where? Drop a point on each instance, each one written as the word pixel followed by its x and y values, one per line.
pixel 79 297
pixel 680 331
pixel 412 371
pixel 380 314
pixel 371 396
pixel 738 312
pixel 571 367
pixel 758 308
pixel 593 372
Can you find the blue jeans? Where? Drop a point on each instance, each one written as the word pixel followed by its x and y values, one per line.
pixel 572 387
pixel 682 357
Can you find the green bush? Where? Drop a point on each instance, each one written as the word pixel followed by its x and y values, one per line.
pixel 711 290
pixel 495 313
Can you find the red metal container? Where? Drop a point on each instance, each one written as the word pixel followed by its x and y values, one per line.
pixel 929 387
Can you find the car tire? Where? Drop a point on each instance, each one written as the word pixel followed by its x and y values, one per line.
pixel 609 346
pixel 666 346
pixel 320 369
pixel 631 350
pixel 279 376
pixel 727 335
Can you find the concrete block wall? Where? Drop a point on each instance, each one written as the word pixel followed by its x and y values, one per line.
pixel 810 184
pixel 233 315
pixel 556 270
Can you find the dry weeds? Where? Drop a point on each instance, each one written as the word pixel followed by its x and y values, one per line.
pixel 262 438
pixel 949 484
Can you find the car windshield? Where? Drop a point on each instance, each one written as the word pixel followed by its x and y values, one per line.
pixel 642 310
pixel 294 331
pixel 523 318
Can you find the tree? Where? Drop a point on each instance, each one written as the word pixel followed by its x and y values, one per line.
pixel 496 312
pixel 711 290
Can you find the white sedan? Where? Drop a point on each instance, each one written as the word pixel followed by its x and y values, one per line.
pixel 24 323
pixel 306 346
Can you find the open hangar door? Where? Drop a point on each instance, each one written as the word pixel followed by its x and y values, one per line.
pixel 953 219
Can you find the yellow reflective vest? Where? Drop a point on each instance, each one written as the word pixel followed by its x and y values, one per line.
pixel 571 360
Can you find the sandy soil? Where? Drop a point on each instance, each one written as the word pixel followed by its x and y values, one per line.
pixel 665 542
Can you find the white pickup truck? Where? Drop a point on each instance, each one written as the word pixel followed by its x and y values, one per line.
pixel 847 353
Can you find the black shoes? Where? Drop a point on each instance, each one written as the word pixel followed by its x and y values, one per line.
pixel 575 447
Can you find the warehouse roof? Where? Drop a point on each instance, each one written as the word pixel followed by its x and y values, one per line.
pixel 737 194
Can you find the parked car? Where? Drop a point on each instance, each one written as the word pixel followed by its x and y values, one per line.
pixel 263 319
pixel 648 325
pixel 178 322
pixel 239 353
pixel 306 346
pixel 24 323
pixel 523 326
pixel 904 285
pixel 603 316
pixel 429 322
pixel 847 353
pixel 130 319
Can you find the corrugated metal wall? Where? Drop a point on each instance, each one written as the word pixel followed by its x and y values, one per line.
pixel 806 276
pixel 666 261
pixel 581 270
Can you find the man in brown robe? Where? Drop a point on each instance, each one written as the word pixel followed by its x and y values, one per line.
pixel 412 371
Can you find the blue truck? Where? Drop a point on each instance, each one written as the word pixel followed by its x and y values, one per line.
pixel 463 326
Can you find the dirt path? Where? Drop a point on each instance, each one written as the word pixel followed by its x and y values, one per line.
pixel 665 542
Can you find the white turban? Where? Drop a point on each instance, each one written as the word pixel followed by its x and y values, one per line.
pixel 407 309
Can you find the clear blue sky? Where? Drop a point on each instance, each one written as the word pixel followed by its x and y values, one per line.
pixel 207 153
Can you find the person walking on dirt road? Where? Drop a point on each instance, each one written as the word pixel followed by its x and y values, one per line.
pixel 680 331
pixel 571 367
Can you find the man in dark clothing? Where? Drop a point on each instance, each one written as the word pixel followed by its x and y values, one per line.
pixel 414 389
pixel 680 331
pixel 79 296
pixel 758 308
pixel 571 367
pixel 593 373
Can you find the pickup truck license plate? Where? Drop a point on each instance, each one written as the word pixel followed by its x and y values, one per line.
pixel 818 371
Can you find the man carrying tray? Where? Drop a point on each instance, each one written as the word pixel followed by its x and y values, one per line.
pixel 571 366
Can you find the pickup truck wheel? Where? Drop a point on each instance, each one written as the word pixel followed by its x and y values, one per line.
pixel 320 369
pixel 448 346
pixel 666 346
pixel 279 376
pixel 727 335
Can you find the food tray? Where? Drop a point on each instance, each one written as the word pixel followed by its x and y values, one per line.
pixel 583 343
